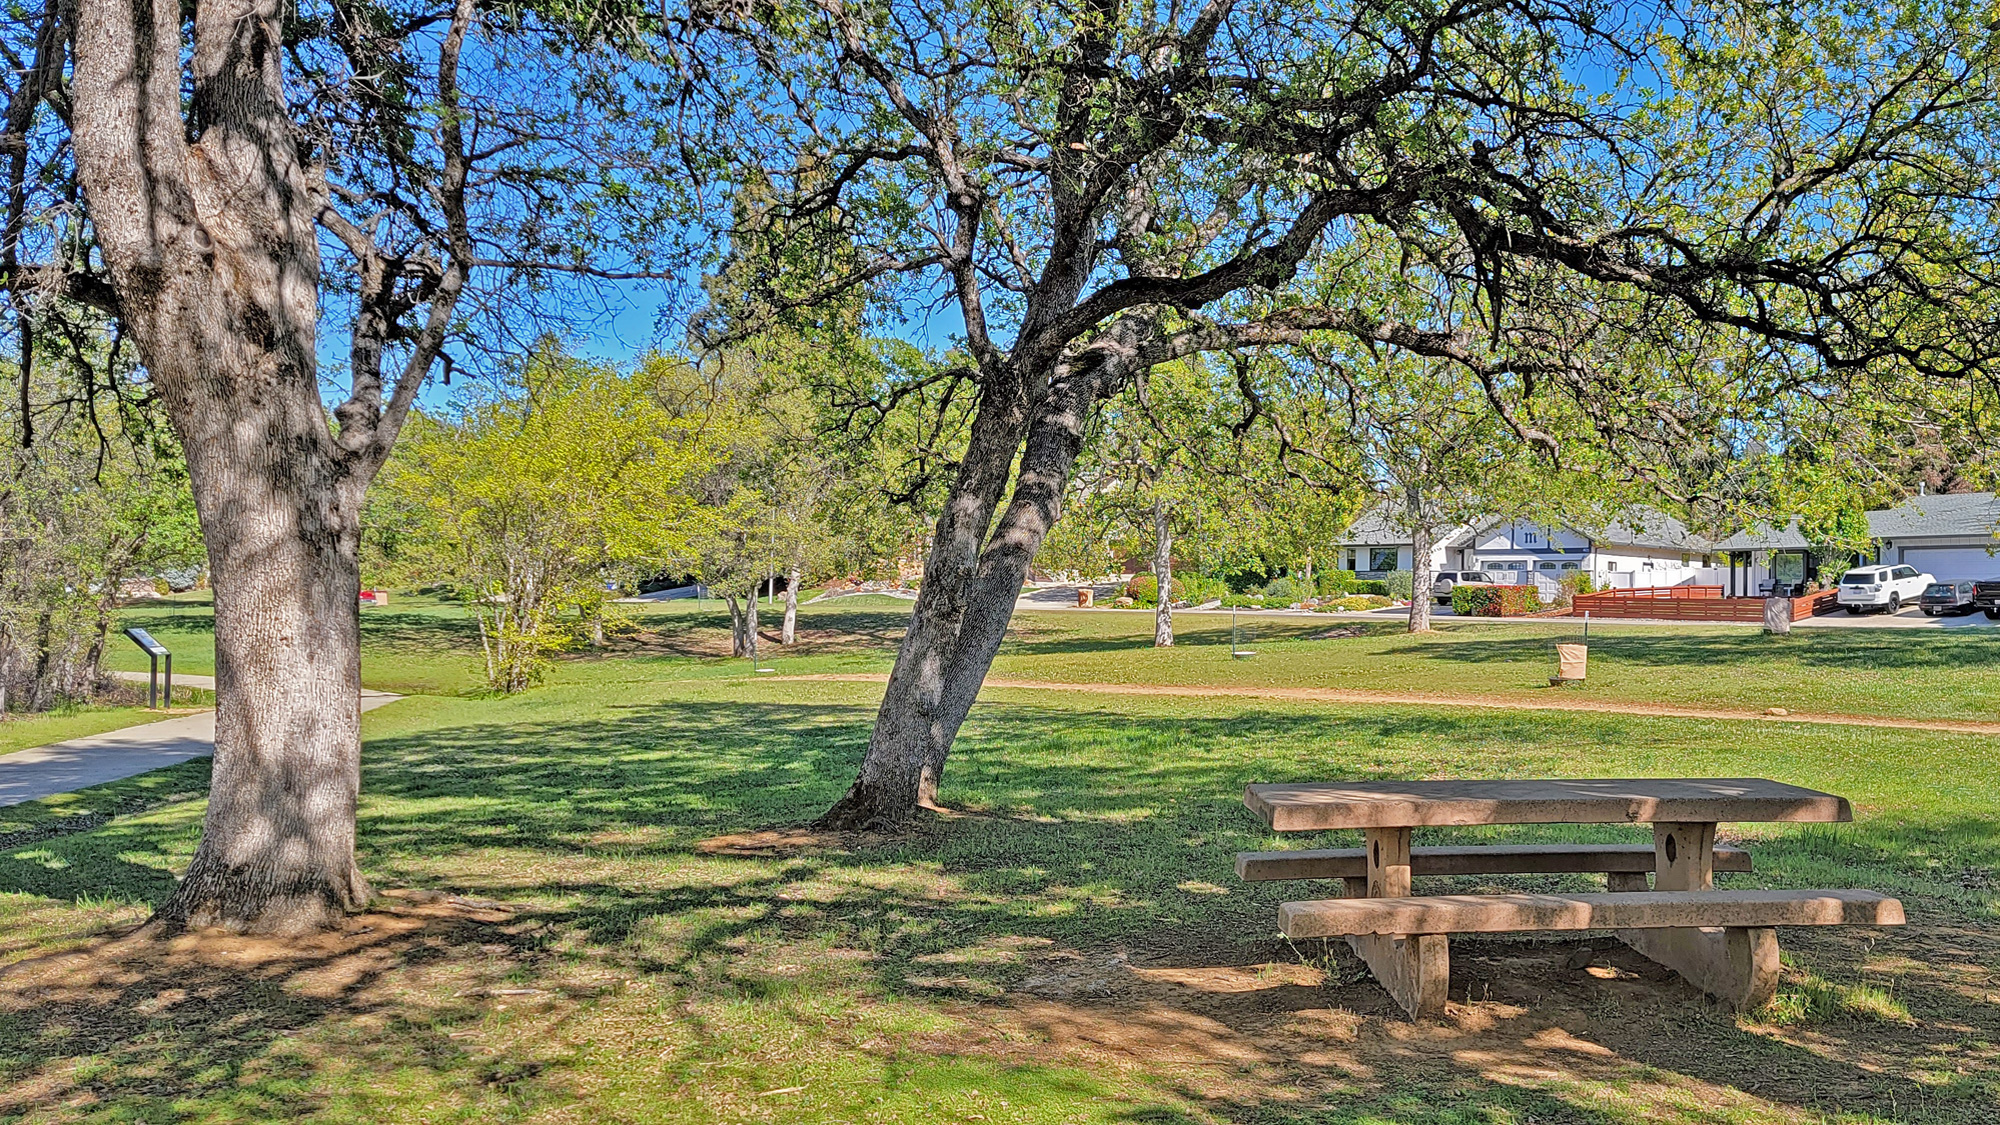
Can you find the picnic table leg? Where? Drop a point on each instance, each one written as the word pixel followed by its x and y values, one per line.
pixel 1414 968
pixel 1737 964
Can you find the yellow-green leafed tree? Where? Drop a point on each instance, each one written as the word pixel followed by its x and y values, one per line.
pixel 533 499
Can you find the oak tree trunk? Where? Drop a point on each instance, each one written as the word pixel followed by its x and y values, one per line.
pixel 972 581
pixel 211 250
pixel 1163 573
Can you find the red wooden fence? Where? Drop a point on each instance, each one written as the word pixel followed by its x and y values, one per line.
pixel 1691 603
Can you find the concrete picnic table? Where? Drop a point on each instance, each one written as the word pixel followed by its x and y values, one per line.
pixel 1724 942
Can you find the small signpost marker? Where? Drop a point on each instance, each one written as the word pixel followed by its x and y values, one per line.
pixel 1236 650
pixel 154 651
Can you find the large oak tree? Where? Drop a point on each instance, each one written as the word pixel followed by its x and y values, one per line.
pixel 409 172
pixel 1090 189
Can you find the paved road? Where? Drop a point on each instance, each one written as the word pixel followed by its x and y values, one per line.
pixel 82 762
pixel 1064 597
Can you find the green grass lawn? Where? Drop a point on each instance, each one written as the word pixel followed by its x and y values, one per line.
pixel 19 732
pixel 625 924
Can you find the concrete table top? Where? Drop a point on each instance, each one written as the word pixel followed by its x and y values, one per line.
pixel 1411 804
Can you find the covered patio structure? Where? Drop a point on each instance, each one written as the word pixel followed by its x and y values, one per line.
pixel 1757 562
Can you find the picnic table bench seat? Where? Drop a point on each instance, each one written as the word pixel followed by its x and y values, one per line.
pixel 1722 941
pixel 1615 910
pixel 1488 859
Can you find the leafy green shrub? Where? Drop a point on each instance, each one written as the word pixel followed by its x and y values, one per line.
pixel 1144 589
pixel 1353 603
pixel 1494 601
pixel 1370 586
pixel 1397 584
pixel 1571 584
pixel 1335 583
pixel 1282 589
pixel 1202 589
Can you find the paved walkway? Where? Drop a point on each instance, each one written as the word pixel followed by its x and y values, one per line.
pixel 60 767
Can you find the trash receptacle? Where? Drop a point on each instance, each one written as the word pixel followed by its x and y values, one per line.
pixel 1085 595
pixel 1778 615
pixel 1571 662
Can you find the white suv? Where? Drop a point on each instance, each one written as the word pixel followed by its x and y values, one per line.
pixel 1881 587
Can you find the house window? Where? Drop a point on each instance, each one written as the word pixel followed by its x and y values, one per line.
pixel 1548 566
pixel 1381 558
pixel 1350 561
pixel 1612 567
pixel 1569 566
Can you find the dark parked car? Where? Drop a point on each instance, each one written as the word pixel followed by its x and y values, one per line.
pixel 1986 594
pixel 1446 580
pixel 1947 599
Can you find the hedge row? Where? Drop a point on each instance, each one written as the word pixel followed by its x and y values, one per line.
pixel 1494 601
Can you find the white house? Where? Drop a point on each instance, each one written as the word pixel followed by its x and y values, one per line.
pixel 1642 548
pixel 1952 536
pixel 1373 546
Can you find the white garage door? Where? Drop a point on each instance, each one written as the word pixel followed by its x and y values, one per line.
pixel 1953 562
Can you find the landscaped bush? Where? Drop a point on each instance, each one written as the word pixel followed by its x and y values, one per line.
pixel 1335 583
pixel 1370 586
pixel 1494 601
pixel 1397 584
pixel 1571 584
pixel 1353 603
pixel 1283 589
pixel 1201 589
pixel 1144 589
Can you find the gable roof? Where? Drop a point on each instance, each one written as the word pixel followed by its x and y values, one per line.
pixel 1787 538
pixel 1641 526
pixel 1376 527
pixel 1953 513
pixel 1638 526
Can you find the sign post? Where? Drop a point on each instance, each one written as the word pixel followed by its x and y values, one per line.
pixel 154 651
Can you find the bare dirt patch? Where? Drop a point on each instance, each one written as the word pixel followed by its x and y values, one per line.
pixel 1288 1025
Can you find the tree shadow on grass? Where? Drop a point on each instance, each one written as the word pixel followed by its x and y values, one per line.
pixel 1083 901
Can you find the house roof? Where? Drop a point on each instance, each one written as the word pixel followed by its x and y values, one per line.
pixel 1787 538
pixel 1957 513
pixel 1638 526
pixel 1376 527
pixel 1373 528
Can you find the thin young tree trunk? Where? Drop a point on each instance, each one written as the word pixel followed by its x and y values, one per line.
pixel 739 637
pixel 1422 573
pixel 791 605
pixel 750 625
pixel 1163 573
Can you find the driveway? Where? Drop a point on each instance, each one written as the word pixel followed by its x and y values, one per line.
pixel 79 763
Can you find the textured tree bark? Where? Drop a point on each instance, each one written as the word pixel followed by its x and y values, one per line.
pixel 739 635
pixel 791 606
pixel 968 596
pixel 211 249
pixel 1163 573
pixel 1422 573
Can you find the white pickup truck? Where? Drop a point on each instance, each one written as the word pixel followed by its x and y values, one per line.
pixel 1881 587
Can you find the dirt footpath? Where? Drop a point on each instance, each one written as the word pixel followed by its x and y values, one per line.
pixel 1470 701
